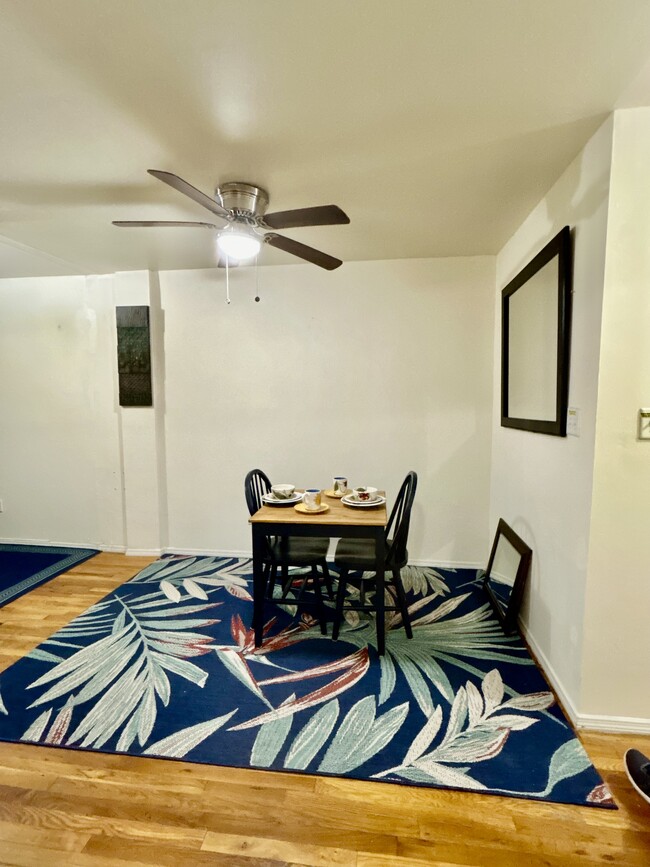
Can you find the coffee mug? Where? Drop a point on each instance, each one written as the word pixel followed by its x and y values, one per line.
pixel 339 484
pixel 311 499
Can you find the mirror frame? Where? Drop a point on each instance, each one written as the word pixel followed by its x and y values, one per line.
pixel 508 618
pixel 561 247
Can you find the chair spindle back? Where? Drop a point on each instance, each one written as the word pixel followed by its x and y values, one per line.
pixel 400 518
pixel 256 484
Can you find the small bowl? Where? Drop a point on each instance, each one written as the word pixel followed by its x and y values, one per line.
pixel 363 494
pixel 283 492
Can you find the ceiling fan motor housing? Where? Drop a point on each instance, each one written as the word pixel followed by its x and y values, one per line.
pixel 245 200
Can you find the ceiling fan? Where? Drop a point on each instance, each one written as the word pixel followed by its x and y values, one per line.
pixel 242 208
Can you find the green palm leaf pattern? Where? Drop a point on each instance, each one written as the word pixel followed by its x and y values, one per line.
pixel 423 579
pixel 270 738
pixel 186 574
pixel 125 669
pixel 98 620
pixel 361 735
pixel 478 727
pixel 312 736
pixel 179 744
pixel 458 639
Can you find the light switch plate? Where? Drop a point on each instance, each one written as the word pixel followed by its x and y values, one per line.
pixel 573 422
pixel 643 430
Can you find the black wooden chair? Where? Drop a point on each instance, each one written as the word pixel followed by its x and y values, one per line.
pixel 282 552
pixel 358 555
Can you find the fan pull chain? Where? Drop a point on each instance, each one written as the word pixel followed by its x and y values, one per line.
pixel 227 282
pixel 257 278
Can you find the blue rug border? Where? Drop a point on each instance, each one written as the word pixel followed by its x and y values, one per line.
pixel 74 558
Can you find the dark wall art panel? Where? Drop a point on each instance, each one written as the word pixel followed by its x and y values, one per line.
pixel 134 356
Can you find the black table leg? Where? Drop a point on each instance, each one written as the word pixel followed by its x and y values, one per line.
pixel 260 530
pixel 259 583
pixel 379 602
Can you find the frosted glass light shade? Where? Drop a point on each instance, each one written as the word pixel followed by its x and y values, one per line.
pixel 238 245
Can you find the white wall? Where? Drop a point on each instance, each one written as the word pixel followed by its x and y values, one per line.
pixel 617 631
pixel 142 429
pixel 368 371
pixel 541 485
pixel 60 463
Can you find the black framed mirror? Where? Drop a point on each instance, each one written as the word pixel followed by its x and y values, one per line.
pixel 506 575
pixel 535 340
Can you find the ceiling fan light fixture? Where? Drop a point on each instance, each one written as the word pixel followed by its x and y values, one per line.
pixel 238 244
pixel 242 206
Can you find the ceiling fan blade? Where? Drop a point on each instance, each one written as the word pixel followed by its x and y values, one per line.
pixel 129 224
pixel 302 251
pixel 324 215
pixel 188 190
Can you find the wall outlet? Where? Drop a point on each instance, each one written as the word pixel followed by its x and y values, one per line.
pixel 573 422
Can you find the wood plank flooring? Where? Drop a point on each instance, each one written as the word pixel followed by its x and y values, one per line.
pixel 78 809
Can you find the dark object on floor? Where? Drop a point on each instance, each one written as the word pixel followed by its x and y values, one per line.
pixel 298 551
pixel 637 767
pixel 506 575
pixel 24 567
pixel 359 555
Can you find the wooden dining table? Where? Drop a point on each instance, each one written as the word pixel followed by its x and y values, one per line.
pixel 337 522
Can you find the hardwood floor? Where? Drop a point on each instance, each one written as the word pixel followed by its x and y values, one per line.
pixel 80 808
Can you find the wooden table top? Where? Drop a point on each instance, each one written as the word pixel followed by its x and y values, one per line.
pixel 336 514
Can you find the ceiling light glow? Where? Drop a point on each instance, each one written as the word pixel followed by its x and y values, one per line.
pixel 237 244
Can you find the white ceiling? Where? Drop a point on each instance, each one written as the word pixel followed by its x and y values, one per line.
pixel 435 124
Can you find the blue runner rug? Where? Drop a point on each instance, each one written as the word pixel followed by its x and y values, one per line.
pixel 166 666
pixel 24 567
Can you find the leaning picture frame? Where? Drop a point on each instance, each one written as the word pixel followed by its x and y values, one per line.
pixel 535 341
pixel 506 575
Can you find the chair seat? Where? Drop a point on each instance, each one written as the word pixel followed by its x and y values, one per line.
pixel 355 553
pixel 360 554
pixel 299 550
pixel 280 554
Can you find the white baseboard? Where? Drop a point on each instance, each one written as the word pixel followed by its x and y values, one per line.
pixel 586 721
pixel 116 549
pixel 143 552
pixel 617 724
pixel 208 552
pixel 551 675
pixel 8 541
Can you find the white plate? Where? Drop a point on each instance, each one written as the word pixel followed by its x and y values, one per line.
pixel 364 504
pixel 272 500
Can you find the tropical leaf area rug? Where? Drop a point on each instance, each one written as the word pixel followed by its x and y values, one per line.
pixel 24 567
pixel 166 666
